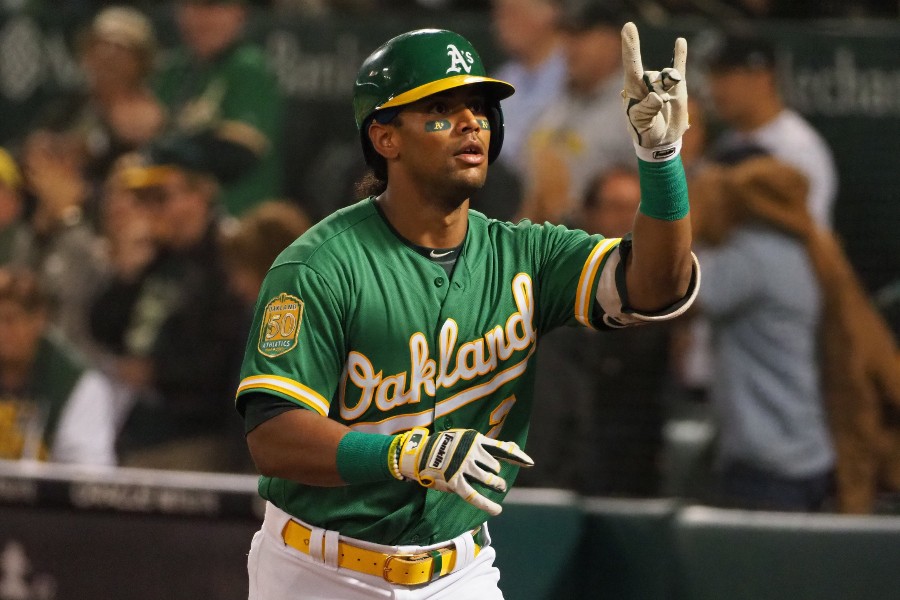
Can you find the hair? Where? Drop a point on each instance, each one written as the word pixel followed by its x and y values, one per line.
pixel 22 287
pixel 370 185
pixel 260 235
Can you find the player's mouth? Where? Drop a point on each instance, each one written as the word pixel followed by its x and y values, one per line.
pixel 471 153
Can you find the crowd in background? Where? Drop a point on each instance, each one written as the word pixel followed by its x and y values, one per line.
pixel 139 214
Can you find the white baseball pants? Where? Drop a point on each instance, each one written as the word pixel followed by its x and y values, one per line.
pixel 279 572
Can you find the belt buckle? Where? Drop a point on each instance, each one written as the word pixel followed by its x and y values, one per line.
pixel 409 559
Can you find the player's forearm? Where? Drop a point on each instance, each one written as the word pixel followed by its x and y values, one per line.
pixel 659 269
pixel 299 445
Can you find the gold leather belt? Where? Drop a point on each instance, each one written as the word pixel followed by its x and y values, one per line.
pixel 403 569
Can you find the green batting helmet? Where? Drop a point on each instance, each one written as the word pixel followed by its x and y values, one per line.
pixel 412 66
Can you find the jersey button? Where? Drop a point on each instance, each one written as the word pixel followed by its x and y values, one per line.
pixel 448 424
pixel 439 281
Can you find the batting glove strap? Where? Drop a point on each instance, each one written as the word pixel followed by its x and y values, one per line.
pixel 451 460
pixel 658 154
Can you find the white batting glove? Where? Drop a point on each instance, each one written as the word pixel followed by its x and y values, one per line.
pixel 450 460
pixel 656 102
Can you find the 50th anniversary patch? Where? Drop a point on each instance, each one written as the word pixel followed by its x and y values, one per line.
pixel 280 325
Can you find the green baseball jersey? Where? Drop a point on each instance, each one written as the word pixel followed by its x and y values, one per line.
pixel 354 324
pixel 236 95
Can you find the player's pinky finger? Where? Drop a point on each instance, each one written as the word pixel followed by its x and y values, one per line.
pixel 482 503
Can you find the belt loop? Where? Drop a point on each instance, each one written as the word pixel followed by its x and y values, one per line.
pixel 486 534
pixel 331 554
pixel 316 546
pixel 465 550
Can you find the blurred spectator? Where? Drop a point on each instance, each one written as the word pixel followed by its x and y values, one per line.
pixel 610 382
pixel 222 96
pixel 12 206
pixel 527 32
pixel 51 406
pixel 779 273
pixel 725 10
pixel 172 327
pixel 115 111
pixel 764 303
pixel 744 89
pixel 252 243
pixel 125 223
pixel 59 244
pixel 583 132
pixel 120 112
pixel 695 141
pixel 315 7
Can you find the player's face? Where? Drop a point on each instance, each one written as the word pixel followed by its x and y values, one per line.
pixel 444 140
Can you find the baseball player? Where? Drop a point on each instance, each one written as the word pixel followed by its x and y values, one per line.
pixel 387 382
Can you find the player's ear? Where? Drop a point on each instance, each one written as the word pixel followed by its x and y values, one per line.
pixel 384 140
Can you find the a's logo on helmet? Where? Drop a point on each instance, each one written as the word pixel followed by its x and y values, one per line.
pixel 459 62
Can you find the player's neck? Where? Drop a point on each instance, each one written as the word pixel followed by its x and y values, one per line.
pixel 425 223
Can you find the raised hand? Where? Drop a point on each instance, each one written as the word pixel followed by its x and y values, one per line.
pixel 655 101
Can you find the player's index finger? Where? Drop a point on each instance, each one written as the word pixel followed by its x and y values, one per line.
pixel 679 59
pixel 631 52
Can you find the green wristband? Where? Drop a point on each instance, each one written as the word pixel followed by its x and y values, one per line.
pixel 664 193
pixel 363 457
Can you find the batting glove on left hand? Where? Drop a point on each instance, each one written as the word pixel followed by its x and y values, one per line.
pixel 655 101
pixel 450 460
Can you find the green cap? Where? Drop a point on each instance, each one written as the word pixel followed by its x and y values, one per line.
pixel 417 64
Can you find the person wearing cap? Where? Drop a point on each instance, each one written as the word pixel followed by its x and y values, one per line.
pixel 118 57
pixel 168 331
pixel 387 383
pixel 53 406
pixel 114 111
pixel 744 88
pixel 579 135
pixel 222 96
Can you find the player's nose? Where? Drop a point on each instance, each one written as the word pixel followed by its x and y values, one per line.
pixel 468 121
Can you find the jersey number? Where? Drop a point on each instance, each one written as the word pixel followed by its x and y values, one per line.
pixel 498 416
